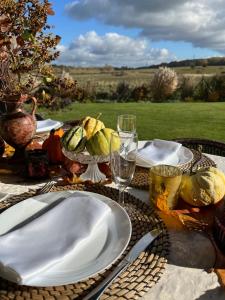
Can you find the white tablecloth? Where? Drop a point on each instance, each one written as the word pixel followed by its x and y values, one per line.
pixel 191 255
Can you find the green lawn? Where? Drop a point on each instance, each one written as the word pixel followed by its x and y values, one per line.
pixel 163 120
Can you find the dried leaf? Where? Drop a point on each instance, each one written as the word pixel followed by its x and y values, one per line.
pixel 221 275
pixel 50 12
pixel 57 38
pixel 3 55
pixel 20 41
pixel 171 220
pixel 72 180
pixel 5 24
pixel 9 151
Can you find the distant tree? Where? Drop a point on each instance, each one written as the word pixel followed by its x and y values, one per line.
pixel 192 64
pixel 107 68
pixel 204 63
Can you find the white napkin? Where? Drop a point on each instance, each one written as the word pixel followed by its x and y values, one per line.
pixel 42 242
pixel 159 152
pixel 47 125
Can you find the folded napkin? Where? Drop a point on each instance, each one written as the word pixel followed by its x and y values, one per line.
pixel 41 242
pixel 47 125
pixel 159 152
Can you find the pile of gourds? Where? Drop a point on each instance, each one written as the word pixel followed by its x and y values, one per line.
pixel 90 134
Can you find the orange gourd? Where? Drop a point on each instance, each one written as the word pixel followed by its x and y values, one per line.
pixel 59 132
pixel 53 146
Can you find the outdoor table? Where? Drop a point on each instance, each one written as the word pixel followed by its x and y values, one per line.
pixel 191 255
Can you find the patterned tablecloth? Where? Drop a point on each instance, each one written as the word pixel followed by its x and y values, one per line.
pixel 191 255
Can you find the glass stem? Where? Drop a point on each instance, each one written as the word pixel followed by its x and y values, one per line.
pixel 121 195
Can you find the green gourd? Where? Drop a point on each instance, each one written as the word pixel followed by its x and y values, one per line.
pixel 74 139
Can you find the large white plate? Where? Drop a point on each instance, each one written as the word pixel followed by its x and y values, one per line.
pixel 47 125
pixel 101 250
pixel 185 155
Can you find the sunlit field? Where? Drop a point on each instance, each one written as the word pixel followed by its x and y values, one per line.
pixel 156 120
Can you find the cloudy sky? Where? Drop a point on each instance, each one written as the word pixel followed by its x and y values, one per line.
pixel 138 32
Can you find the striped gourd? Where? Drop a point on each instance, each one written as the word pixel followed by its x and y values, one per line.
pixel 74 139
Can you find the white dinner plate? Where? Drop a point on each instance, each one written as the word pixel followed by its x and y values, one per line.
pixel 185 155
pixel 47 125
pixel 101 250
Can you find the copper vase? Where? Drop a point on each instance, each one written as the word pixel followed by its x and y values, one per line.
pixel 17 127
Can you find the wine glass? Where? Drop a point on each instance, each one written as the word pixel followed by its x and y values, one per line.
pixel 126 123
pixel 123 151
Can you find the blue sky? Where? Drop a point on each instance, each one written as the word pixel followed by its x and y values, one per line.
pixel 137 33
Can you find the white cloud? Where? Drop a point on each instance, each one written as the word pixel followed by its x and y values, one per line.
pixel 201 22
pixel 113 49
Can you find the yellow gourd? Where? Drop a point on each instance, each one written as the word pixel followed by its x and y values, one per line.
pixel 99 144
pixel 92 125
pixel 206 186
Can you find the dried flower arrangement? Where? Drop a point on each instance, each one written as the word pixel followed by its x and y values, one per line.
pixel 26 45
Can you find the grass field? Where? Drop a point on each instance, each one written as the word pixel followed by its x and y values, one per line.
pixel 156 120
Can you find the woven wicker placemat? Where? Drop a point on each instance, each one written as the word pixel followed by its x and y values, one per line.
pixel 132 284
pixel 140 179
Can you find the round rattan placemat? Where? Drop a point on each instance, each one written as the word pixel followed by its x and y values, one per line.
pixel 132 284
pixel 140 179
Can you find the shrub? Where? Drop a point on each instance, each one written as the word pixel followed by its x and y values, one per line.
pixel 89 92
pixel 140 93
pixel 202 90
pixel 186 88
pixel 122 93
pixel 103 95
pixel 217 90
pixel 211 89
pixel 163 84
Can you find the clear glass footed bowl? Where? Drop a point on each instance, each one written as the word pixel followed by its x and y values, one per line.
pixel 92 172
pixel 84 157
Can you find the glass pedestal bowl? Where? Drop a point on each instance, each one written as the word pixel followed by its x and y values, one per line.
pixel 92 172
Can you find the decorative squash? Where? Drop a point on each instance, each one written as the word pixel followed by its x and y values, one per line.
pixel 74 139
pixel 53 147
pixel 99 144
pixel 206 186
pixel 59 132
pixel 92 125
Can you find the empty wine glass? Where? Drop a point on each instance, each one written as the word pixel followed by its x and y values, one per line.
pixel 123 151
pixel 126 123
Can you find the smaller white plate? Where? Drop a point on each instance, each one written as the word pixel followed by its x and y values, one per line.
pixel 47 125
pixel 185 156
